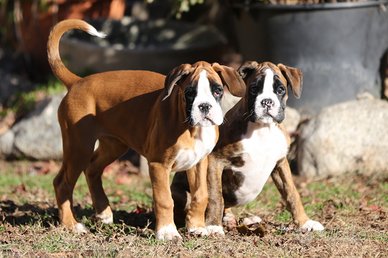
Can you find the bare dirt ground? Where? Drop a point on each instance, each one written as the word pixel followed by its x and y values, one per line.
pixel 353 209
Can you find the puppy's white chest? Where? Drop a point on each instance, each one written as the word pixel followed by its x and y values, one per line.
pixel 204 144
pixel 263 147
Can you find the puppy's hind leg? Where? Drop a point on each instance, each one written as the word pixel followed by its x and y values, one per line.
pixel 180 191
pixel 109 149
pixel 76 157
pixel 215 206
pixel 195 217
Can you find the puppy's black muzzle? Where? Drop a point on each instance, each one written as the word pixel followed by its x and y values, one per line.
pixel 267 103
pixel 204 108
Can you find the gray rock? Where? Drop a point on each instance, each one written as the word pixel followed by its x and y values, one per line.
pixel 6 144
pixel 37 136
pixel 292 119
pixel 350 136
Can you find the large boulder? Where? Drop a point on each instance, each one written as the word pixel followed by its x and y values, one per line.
pixel 351 136
pixel 37 136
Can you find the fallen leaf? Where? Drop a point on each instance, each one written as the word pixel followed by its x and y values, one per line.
pixel 140 210
pixel 259 231
pixel 256 229
pixel 244 230
pixel 20 188
pixel 377 209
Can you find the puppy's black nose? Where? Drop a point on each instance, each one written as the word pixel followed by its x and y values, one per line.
pixel 204 108
pixel 267 103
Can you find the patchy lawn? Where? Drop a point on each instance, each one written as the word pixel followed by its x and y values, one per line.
pixel 353 208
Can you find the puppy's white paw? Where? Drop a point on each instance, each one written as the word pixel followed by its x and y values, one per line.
pixel 199 231
pixel 167 233
pixel 81 228
pixel 215 230
pixel 312 225
pixel 105 218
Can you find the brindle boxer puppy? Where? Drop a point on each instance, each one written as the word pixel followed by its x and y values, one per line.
pixel 253 145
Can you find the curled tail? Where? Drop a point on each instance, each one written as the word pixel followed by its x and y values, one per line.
pixel 57 66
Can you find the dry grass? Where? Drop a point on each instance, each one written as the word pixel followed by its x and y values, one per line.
pixel 352 208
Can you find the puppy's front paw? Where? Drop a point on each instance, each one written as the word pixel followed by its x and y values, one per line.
pixel 167 233
pixel 198 231
pixel 312 225
pixel 215 230
pixel 106 216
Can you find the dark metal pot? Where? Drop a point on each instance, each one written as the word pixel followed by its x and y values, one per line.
pixel 340 47
pixel 154 45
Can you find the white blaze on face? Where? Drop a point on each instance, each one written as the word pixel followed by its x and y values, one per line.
pixel 205 97
pixel 268 93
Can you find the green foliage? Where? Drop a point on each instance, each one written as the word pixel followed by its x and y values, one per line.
pixel 9 180
pixel 285 216
pixel 44 6
pixel 191 243
pixel 22 103
pixel 52 87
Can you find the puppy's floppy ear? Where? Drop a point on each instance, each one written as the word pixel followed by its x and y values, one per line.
pixel 246 69
pixel 177 74
pixel 230 79
pixel 294 78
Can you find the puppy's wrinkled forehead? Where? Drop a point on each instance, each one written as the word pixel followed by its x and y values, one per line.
pixel 261 72
pixel 202 72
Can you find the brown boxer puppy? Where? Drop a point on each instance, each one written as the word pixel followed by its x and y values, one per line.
pixel 172 121
pixel 253 145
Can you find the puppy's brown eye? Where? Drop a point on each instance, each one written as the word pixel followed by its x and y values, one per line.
pixel 190 93
pixel 254 90
pixel 280 90
pixel 218 92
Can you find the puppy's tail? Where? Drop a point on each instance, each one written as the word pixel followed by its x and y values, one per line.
pixel 57 66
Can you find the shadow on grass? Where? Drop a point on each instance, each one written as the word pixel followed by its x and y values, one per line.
pixel 46 215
